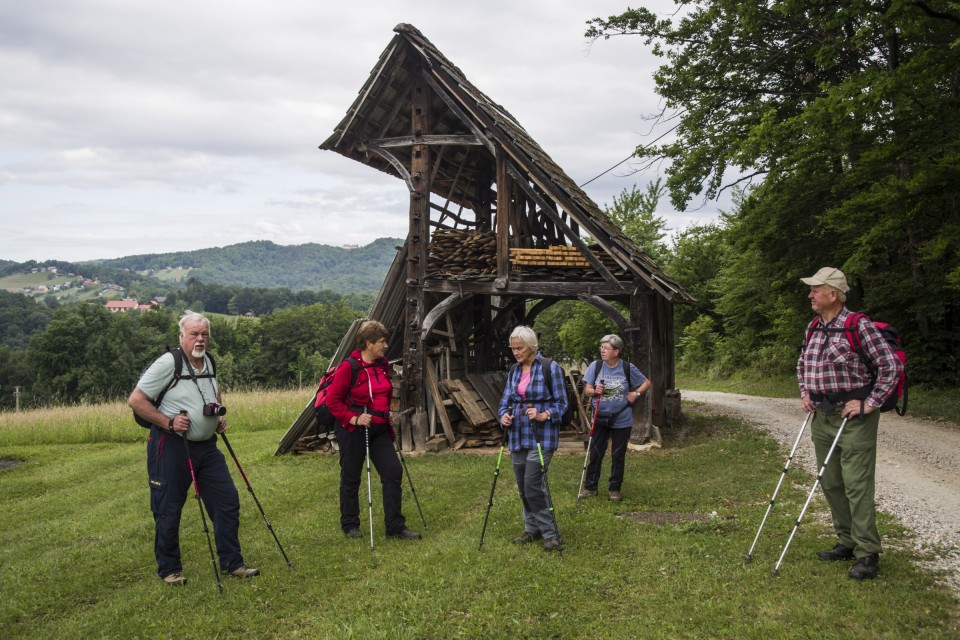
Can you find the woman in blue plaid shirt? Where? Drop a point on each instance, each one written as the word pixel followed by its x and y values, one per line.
pixel 531 413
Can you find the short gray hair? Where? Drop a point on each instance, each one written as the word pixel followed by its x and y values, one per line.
pixel 526 335
pixel 193 316
pixel 613 340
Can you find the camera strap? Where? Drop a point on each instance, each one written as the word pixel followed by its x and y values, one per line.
pixel 193 376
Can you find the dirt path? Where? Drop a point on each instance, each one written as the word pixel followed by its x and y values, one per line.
pixel 918 467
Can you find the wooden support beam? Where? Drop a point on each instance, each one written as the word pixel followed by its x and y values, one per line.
pixel 434 390
pixel 503 222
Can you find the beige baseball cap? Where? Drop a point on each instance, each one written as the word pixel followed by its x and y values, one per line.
pixel 828 276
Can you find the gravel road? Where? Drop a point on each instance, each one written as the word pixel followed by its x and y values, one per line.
pixel 917 467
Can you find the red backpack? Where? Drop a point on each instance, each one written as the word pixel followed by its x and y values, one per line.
pixel 324 417
pixel 891 335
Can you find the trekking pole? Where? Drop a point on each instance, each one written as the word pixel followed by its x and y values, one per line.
pixel 546 485
pixel 366 436
pixel 416 501
pixel 496 474
pixel 586 457
pixel 810 497
pixel 403 461
pixel 749 556
pixel 203 517
pixel 226 441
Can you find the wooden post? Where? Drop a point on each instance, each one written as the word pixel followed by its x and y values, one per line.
pixel 503 221
pixel 639 339
pixel 418 237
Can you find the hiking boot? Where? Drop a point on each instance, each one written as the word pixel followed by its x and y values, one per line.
pixel 553 544
pixel 587 493
pixel 244 571
pixel 353 533
pixel 527 538
pixel 406 534
pixel 174 579
pixel 839 552
pixel 615 496
pixel 866 567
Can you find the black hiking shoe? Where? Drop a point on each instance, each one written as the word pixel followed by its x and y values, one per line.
pixel 406 534
pixel 353 533
pixel 866 568
pixel 839 552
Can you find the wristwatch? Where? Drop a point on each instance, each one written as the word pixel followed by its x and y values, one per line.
pixel 170 425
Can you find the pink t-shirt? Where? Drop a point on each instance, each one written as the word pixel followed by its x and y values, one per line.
pixel 523 384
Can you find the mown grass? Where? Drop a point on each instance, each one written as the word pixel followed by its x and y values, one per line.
pixel 76 555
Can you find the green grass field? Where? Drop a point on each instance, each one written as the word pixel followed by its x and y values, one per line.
pixel 76 557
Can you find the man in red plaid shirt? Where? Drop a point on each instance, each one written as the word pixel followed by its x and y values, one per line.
pixel 837 384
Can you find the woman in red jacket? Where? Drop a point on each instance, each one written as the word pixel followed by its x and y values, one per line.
pixel 366 405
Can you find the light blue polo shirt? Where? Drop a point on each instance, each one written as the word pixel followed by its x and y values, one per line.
pixel 186 394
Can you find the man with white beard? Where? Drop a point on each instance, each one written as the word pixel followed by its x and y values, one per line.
pixel 188 409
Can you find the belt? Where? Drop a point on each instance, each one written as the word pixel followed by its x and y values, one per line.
pixel 373 412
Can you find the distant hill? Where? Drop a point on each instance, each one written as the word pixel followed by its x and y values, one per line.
pixel 262 263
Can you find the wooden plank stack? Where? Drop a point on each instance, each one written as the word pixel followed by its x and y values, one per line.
pixel 563 256
pixel 462 252
pixel 479 426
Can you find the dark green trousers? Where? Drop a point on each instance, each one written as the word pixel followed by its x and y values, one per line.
pixel 848 482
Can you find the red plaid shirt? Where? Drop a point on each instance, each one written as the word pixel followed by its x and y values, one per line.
pixel 829 363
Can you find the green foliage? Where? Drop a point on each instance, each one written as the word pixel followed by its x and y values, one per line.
pixel 850 115
pixel 20 318
pixel 684 580
pixel 304 336
pixel 633 211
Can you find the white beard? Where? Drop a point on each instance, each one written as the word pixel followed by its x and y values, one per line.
pixel 198 351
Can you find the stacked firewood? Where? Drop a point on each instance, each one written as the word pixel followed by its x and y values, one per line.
pixel 316 443
pixel 462 252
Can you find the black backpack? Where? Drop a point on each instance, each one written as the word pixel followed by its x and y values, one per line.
pixel 567 416
pixel 178 375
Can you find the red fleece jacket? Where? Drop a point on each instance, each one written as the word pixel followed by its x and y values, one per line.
pixel 372 390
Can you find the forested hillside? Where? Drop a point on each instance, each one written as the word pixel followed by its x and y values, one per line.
pixel 265 264
pixel 837 127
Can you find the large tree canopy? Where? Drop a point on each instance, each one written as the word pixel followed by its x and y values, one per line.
pixel 841 123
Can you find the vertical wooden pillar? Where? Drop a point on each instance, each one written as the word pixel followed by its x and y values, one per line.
pixel 418 236
pixel 503 221
pixel 639 337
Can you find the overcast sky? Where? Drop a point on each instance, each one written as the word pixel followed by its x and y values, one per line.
pixel 131 127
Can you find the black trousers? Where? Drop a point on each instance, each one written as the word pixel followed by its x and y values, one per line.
pixel 170 483
pixel 383 456
pixel 598 448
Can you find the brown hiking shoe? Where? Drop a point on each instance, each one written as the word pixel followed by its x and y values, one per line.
pixel 615 496
pixel 175 579
pixel 244 571
pixel 553 544
pixel 587 493
pixel 527 538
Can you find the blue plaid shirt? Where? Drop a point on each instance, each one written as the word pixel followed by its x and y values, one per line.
pixel 522 435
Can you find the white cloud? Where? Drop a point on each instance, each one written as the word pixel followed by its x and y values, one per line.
pixel 148 126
